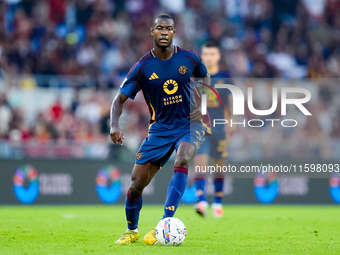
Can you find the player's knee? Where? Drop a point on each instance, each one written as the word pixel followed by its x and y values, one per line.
pixel 135 190
pixel 219 175
pixel 182 160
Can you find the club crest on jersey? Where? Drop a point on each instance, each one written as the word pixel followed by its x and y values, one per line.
pixel 182 69
pixel 139 155
pixel 170 87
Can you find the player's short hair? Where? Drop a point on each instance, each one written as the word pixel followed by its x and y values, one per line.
pixel 162 16
pixel 210 44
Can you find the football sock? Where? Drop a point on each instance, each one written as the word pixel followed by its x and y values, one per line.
pixel 218 183
pixel 132 208
pixel 176 190
pixel 200 187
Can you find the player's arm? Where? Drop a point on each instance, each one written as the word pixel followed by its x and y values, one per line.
pixel 116 133
pixel 196 114
pixel 128 89
pixel 230 110
pixel 200 72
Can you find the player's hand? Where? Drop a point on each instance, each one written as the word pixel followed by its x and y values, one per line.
pixel 117 135
pixel 195 114
pixel 230 129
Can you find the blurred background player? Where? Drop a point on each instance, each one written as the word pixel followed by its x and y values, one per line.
pixel 214 146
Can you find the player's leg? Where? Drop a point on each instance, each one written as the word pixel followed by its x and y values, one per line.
pixel 219 155
pixel 201 160
pixel 218 189
pixel 141 176
pixel 185 153
pixel 186 145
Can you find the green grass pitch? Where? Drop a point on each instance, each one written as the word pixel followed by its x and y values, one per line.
pixel 243 230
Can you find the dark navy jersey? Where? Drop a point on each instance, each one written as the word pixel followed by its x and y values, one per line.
pixel 215 109
pixel 166 86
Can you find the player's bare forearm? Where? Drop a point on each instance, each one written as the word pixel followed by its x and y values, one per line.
pixel 116 133
pixel 196 114
pixel 117 109
pixel 232 117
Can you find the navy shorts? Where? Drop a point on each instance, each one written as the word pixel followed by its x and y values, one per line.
pixel 216 146
pixel 158 146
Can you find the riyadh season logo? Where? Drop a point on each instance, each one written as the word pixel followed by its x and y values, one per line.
pixel 239 105
pixel 26 184
pixel 108 184
pixel 266 187
pixel 334 187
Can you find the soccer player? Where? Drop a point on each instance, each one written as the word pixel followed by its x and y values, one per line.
pixel 163 74
pixel 216 144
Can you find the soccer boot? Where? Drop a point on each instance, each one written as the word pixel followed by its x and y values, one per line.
pixel 129 236
pixel 150 238
pixel 201 208
pixel 217 210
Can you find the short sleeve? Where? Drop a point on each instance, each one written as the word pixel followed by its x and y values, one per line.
pixel 229 80
pixel 224 93
pixel 200 70
pixel 131 84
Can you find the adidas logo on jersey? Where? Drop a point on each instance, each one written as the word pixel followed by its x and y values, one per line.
pixel 153 76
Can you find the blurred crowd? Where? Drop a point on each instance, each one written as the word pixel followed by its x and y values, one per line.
pixel 83 120
pixel 79 123
pixel 102 39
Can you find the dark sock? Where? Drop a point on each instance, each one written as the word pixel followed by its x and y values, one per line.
pixel 176 190
pixel 200 188
pixel 132 208
pixel 219 184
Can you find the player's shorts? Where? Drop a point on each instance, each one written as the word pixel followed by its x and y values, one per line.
pixel 215 145
pixel 158 146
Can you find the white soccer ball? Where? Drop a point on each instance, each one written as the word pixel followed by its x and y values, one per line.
pixel 170 231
